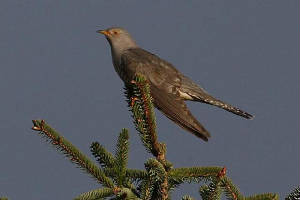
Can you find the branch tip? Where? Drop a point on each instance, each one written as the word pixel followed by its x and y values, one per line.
pixel 222 173
pixel 35 128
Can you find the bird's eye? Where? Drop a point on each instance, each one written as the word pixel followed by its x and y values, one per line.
pixel 115 32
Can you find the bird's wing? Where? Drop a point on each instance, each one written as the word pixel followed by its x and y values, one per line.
pixel 176 110
pixel 165 82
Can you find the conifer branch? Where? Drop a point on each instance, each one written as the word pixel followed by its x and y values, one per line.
pixel 213 191
pixel 115 167
pixel 294 195
pixel 231 191
pixel 145 189
pixel 187 197
pixel 156 170
pixel 104 158
pixel 110 172
pixel 121 157
pixel 267 196
pixel 101 193
pixel 71 152
pixel 126 194
pixel 96 194
pixel 190 174
pixel 136 174
pixel 140 103
pixel 160 177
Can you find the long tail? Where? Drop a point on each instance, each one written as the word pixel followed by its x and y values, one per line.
pixel 213 101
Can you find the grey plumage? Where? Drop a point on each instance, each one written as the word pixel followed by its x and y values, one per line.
pixel 169 87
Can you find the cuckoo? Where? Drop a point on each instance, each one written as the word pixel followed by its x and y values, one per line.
pixel 169 87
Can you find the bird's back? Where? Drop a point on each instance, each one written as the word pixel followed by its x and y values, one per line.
pixel 155 69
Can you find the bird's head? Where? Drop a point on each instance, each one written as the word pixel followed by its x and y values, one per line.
pixel 118 38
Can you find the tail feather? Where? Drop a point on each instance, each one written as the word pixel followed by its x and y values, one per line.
pixel 213 101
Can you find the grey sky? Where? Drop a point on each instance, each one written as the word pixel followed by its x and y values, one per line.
pixel 54 66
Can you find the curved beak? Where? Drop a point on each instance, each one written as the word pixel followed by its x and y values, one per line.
pixel 104 32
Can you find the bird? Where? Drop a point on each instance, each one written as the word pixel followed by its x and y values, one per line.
pixel 169 88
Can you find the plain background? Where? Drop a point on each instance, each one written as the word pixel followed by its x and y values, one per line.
pixel 54 66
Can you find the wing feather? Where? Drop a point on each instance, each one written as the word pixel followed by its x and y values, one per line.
pixel 165 82
pixel 175 109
